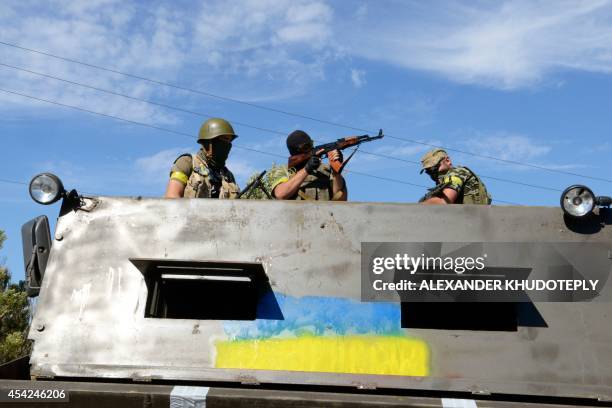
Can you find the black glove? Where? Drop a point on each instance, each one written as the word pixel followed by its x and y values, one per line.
pixel 313 164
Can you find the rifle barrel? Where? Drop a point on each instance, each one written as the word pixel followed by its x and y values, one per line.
pixel 252 184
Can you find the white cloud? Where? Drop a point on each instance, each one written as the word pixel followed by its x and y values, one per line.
pixel 503 45
pixel 256 50
pixel 508 147
pixel 157 166
pixel 263 50
pixel 307 23
pixel 241 168
pixel 280 48
pixel 358 77
pixel 309 12
pixel 105 32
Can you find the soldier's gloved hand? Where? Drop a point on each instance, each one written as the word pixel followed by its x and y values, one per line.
pixel 313 164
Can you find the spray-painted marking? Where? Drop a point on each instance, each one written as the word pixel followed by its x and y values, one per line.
pixel 279 315
pixel 381 355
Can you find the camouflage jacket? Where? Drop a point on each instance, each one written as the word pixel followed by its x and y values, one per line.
pixel 316 186
pixel 202 182
pixel 469 187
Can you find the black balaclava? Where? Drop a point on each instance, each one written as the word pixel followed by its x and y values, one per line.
pixel 220 150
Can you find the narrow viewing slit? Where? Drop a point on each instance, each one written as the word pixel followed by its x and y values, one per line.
pixel 202 290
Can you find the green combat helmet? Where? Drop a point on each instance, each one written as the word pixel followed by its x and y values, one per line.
pixel 215 127
pixel 432 158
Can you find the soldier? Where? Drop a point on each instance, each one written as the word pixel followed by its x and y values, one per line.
pixel 204 175
pixel 454 185
pixel 310 179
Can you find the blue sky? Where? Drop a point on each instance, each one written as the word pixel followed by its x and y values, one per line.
pixel 523 81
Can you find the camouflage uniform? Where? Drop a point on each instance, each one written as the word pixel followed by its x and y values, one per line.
pixel 193 172
pixel 469 187
pixel 316 186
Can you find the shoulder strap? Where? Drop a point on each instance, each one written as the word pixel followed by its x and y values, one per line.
pixel 182 155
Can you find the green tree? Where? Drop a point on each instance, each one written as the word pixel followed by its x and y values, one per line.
pixel 257 193
pixel 14 315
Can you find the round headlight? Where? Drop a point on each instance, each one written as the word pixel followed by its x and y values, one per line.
pixel 46 188
pixel 577 201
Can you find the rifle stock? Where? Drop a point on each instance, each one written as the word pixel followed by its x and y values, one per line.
pixel 298 159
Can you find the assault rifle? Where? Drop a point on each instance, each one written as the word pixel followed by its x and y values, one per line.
pixel 257 182
pixel 339 144
pixel 434 191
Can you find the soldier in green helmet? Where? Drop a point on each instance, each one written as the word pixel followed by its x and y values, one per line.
pixel 204 174
pixel 454 185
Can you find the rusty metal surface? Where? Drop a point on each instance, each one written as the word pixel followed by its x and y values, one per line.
pixel 90 316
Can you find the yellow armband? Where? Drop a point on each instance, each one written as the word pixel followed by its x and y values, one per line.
pixel 179 176
pixel 279 181
pixel 453 181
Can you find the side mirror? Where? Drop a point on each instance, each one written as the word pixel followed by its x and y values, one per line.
pixel 36 240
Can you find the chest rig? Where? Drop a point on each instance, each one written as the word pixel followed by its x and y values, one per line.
pixel 317 186
pixel 205 182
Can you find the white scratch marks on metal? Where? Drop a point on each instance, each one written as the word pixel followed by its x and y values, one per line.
pixel 80 297
pixel 110 277
pixel 120 275
pixel 113 282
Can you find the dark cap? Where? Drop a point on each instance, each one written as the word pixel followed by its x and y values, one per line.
pixel 296 139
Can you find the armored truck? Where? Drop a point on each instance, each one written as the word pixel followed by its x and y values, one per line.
pixel 147 302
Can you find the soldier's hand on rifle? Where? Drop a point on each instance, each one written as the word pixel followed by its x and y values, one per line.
pixel 335 160
pixel 313 164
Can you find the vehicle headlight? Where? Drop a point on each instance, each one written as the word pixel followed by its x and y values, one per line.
pixel 46 188
pixel 578 201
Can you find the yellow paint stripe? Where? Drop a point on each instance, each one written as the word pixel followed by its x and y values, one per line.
pixel 384 355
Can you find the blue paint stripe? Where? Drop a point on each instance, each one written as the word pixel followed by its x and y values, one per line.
pixel 319 316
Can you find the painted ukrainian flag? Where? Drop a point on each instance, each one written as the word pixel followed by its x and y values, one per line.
pixel 320 334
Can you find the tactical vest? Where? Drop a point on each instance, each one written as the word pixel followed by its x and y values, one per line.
pixel 479 195
pixel 201 183
pixel 316 186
